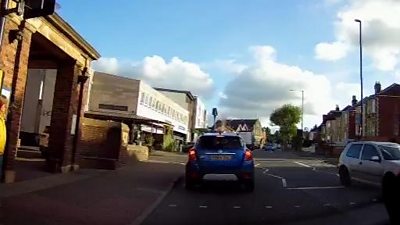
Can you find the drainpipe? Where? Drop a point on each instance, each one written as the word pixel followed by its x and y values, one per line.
pixel 4 4
pixel 81 80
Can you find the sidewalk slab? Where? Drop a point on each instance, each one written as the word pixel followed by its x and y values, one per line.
pixel 115 197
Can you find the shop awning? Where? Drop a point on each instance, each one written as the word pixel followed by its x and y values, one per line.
pixel 124 118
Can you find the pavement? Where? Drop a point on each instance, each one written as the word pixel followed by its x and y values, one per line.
pixel 290 189
pixel 124 196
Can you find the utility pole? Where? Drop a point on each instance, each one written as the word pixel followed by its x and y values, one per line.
pixel 361 81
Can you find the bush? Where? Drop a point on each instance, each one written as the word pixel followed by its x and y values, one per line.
pixel 149 141
pixel 169 142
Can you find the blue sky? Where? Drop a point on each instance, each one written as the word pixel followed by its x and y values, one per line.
pixel 209 33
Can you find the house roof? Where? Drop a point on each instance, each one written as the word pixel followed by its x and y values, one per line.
pixel 188 93
pixel 70 32
pixel 393 89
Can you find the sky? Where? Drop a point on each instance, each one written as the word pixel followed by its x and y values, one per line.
pixel 244 57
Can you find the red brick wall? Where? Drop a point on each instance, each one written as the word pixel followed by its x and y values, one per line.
pixel 389 116
pixel 100 144
pixel 64 106
pixel 14 62
pixel 352 125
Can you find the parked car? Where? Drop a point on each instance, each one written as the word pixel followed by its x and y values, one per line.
pixel 372 161
pixel 220 156
pixel 269 147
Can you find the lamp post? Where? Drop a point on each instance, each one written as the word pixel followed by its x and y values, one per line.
pixel 302 108
pixel 361 80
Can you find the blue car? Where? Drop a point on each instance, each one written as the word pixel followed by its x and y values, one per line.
pixel 218 156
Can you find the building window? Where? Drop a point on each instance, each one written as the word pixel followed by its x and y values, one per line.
pixel 146 100
pixel 142 98
pixel 150 101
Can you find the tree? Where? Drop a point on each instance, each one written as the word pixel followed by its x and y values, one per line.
pixel 286 117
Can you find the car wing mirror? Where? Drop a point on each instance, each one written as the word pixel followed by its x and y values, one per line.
pixel 375 158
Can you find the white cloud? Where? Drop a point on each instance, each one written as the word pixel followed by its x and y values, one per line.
pixel 330 51
pixel 380 31
pixel 175 74
pixel 332 2
pixel 226 66
pixel 263 52
pixel 222 95
pixel 266 84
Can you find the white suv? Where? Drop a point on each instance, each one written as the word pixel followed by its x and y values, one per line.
pixel 369 160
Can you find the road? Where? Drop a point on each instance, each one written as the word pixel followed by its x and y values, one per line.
pixel 289 190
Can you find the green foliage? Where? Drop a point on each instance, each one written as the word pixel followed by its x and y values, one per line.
pixel 149 140
pixel 169 142
pixel 286 118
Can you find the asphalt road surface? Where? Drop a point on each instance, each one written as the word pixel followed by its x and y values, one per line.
pixel 289 190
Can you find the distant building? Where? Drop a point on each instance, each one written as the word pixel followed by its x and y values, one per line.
pixel 134 100
pixel 252 127
pixel 193 104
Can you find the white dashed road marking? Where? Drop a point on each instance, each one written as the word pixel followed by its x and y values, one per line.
pixel 268 207
pixel 302 164
pixel 203 207
pixel 315 188
pixel 236 207
pixel 327 205
pixel 172 205
pixel 265 171
pixel 297 206
pixel 352 203
pixel 284 183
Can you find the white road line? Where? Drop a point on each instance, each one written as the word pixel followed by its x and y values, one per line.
pixel 297 206
pixel 203 207
pixel 265 171
pixel 284 184
pixel 272 175
pixel 352 203
pixel 302 164
pixel 172 205
pixel 315 188
pixel 374 200
pixel 268 207
pixel 257 165
pixel 236 207
pixel 327 205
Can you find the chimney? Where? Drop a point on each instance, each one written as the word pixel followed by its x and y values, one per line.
pixel 354 101
pixel 377 87
pixel 337 108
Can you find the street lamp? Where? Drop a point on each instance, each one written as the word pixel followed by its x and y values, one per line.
pixel 361 80
pixel 302 107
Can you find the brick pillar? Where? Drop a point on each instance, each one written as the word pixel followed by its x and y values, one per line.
pixel 64 107
pixel 14 61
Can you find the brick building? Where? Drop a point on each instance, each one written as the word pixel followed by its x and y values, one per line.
pixel 45 43
pixel 382 113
